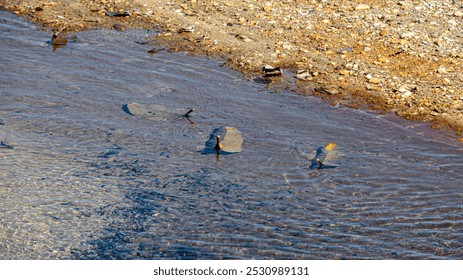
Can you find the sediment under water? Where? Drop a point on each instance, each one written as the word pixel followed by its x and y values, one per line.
pixel 86 180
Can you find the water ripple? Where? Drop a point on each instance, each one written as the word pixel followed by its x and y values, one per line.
pixel 86 180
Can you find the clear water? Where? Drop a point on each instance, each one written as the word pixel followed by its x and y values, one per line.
pixel 86 180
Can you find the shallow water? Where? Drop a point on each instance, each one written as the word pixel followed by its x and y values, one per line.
pixel 86 180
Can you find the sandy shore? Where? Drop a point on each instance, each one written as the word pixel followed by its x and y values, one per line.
pixel 400 56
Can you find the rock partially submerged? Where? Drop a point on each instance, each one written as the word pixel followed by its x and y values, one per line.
pixel 317 158
pixel 320 156
pixel 270 71
pixel 58 39
pixel 225 140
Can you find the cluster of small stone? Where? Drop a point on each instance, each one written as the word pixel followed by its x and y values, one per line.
pixel 81 15
pixel 404 54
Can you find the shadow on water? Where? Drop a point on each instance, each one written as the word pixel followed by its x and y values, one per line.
pixel 133 237
pixel 87 180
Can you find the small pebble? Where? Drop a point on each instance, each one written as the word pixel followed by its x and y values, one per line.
pixel 267 7
pixel 362 7
pixel 441 70
pixel 407 35
pixel 270 71
pixel 406 94
pixel 303 75
pixel 118 27
pixel 188 29
pixel 344 72
pixel 405 88
pixel 331 90
pixel 374 81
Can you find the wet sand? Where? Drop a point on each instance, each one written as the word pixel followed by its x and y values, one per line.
pixel 397 56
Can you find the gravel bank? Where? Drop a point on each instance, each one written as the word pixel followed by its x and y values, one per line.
pixel 400 56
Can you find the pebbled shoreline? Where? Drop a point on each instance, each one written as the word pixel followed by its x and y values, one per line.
pixel 397 56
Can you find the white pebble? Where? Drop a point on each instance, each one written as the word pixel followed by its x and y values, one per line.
pixel 406 94
pixel 441 70
pixel 362 7
pixel 407 35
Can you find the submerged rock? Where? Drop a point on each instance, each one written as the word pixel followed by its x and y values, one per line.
pixel 5 146
pixel 156 112
pixel 155 50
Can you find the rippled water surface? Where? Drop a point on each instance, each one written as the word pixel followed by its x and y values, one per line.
pixel 86 180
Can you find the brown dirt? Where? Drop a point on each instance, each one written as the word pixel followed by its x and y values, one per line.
pixel 399 56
